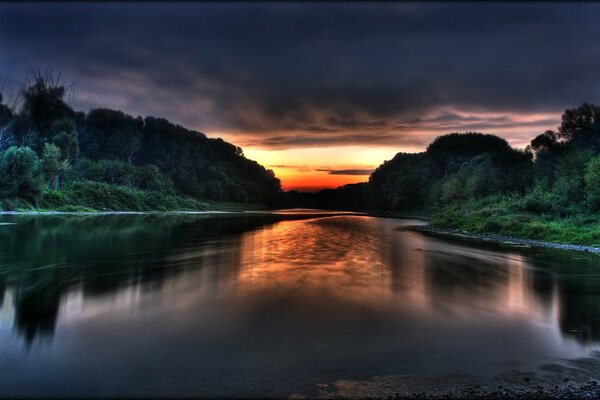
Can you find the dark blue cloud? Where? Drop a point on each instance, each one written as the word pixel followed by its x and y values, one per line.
pixel 334 73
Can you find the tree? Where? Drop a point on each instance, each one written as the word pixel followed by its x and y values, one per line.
pixel 43 100
pixel 581 126
pixel 547 141
pixel 64 137
pixel 20 173
pixel 53 165
pixel 113 135
pixel 568 189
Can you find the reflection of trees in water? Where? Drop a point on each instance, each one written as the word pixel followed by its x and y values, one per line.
pixel 460 280
pixel 543 286
pixel 579 305
pixel 548 281
pixel 36 309
pixel 42 258
pixel 576 279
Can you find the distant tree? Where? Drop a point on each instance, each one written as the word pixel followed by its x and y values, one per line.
pixel 547 141
pixel 448 152
pixel 400 183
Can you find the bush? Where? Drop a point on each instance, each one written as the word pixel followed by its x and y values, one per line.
pixel 107 197
pixel 538 201
pixel 20 173
pixel 147 177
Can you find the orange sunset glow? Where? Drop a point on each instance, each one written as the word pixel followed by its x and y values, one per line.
pixel 311 167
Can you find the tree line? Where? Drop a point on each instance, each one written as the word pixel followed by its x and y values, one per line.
pixel 558 173
pixel 46 147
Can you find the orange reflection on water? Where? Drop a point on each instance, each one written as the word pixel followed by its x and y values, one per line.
pixel 329 256
pixel 368 260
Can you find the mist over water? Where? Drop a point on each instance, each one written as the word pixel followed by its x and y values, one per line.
pixel 272 305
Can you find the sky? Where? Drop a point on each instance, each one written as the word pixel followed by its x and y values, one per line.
pixel 322 93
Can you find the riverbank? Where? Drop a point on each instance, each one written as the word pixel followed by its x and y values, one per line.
pixel 490 237
pixel 577 233
pixel 97 197
pixel 54 212
pixel 508 218
pixel 505 220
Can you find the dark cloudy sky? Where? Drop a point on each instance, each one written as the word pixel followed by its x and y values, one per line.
pixel 322 92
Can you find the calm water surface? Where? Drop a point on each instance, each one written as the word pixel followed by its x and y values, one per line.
pixel 273 305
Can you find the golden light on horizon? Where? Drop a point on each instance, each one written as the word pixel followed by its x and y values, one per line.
pixel 310 169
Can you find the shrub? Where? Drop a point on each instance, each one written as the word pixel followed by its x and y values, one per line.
pixel 20 173
pixel 147 177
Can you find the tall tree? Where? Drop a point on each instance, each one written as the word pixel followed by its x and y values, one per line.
pixel 43 101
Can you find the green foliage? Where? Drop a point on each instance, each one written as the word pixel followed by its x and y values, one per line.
pixel 569 187
pixel 53 164
pixel 149 155
pixel 478 183
pixel 113 172
pixel 103 196
pixel 65 137
pixel 592 183
pixel 401 183
pixel 20 173
pixel 504 216
pixel 455 167
pixel 198 166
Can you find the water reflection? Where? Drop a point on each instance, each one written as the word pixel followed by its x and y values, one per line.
pixel 334 296
pixel 43 258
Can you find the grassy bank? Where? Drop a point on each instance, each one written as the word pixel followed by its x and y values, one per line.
pixel 506 216
pixel 98 196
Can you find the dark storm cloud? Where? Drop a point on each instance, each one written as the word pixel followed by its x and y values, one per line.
pixel 290 74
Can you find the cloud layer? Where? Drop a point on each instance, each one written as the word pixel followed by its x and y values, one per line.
pixel 289 75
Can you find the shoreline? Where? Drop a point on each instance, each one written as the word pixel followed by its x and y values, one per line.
pixel 278 212
pixel 428 229
pixel 116 212
pixel 510 240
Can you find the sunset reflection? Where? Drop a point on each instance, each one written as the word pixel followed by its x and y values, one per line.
pixel 353 259
pixel 286 297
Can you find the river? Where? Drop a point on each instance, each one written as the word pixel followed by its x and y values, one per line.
pixel 275 305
